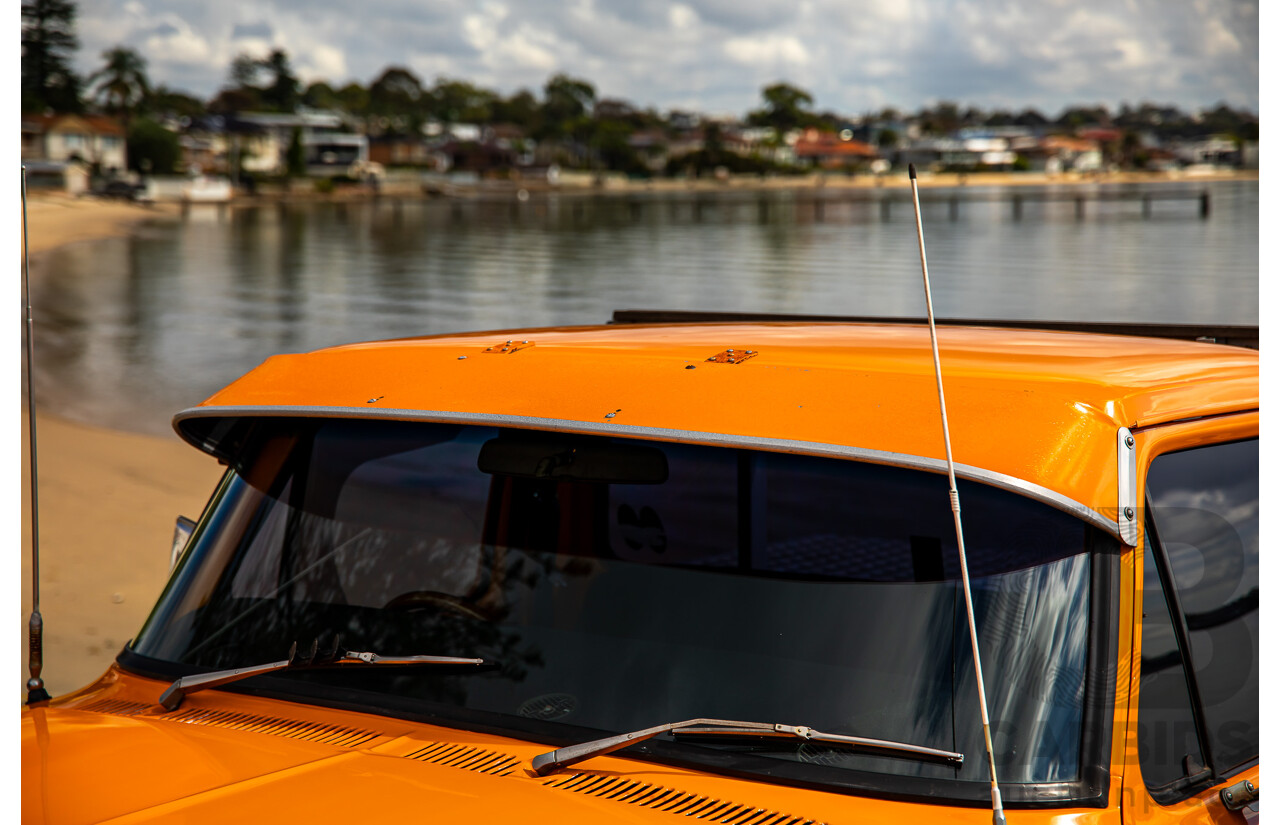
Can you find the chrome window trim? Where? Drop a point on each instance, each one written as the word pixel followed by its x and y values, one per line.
pixel 775 445
pixel 1126 487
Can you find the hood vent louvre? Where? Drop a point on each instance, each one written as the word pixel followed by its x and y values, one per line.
pixel 672 801
pixel 336 735
pixel 115 707
pixel 470 759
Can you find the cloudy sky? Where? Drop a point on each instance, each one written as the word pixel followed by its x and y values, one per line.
pixel 715 55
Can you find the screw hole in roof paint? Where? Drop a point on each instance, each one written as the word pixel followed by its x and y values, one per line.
pixel 508 347
pixel 731 356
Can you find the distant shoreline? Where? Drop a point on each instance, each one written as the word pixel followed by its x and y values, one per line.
pixel 900 181
pixel 56 219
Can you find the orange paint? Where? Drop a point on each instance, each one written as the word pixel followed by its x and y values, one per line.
pixel 1036 406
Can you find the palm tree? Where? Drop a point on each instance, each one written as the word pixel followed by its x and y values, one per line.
pixel 122 82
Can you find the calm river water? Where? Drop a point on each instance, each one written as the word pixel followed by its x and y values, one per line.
pixel 131 330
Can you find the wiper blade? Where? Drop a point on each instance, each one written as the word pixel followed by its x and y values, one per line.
pixel 883 747
pixel 315 658
pixel 545 763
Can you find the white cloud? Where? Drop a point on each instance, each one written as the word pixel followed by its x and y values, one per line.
pixel 179 44
pixel 322 63
pixel 768 49
pixel 716 54
pixel 682 17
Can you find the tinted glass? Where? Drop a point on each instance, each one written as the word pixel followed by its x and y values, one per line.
pixel 747 585
pixel 1205 504
pixel 1166 726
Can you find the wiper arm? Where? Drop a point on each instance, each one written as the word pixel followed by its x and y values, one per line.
pixel 545 763
pixel 336 656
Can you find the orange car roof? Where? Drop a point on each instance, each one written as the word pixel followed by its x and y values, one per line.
pixel 1040 407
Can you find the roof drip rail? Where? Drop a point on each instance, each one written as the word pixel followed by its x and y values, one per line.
pixel 1236 335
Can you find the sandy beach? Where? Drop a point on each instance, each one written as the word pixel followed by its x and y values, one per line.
pixel 107 499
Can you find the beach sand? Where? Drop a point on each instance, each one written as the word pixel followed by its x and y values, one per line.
pixel 108 499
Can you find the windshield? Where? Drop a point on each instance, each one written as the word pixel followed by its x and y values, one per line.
pixel 617 584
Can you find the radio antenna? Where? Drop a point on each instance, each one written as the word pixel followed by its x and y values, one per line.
pixel 997 808
pixel 35 627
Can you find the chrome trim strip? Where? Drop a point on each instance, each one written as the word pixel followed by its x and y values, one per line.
pixel 774 445
pixel 1127 487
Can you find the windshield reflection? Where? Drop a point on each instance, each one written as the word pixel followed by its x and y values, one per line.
pixel 732 584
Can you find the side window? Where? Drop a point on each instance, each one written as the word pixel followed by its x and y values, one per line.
pixel 1168 748
pixel 1200 607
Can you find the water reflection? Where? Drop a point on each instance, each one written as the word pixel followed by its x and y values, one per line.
pixel 132 330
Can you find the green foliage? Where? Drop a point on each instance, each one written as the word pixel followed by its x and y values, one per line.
pixel 1077 116
pixel 942 119
pixel 456 101
pixel 166 101
pixel 397 97
pixel 1021 164
pixel 229 101
pixel 609 139
pixel 48 45
pixel 521 109
pixel 244 71
pixel 887 139
pixel 281 94
pixel 295 158
pixel 149 141
pixel 354 98
pixel 785 108
pixel 566 103
pixel 122 82
pixel 705 161
pixel 324 186
pixel 321 95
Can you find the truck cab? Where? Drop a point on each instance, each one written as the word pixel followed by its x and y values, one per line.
pixel 446 560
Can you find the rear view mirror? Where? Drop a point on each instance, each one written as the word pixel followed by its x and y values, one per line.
pixel 182 530
pixel 565 458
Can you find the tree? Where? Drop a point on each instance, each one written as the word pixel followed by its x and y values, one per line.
pixel 520 109
pixel 1078 116
pixel 122 82
pixel 785 108
pixel 1000 117
pixel 244 71
pixel 1031 117
pixel 354 98
pixel 320 95
pixel 165 101
pixel 48 44
pixel 295 158
pixel 566 102
pixel 398 96
pixel 242 92
pixel 942 119
pixel 457 101
pixel 281 94
pixel 152 147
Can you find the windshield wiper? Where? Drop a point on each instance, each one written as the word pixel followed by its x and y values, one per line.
pixel 335 656
pixel 545 763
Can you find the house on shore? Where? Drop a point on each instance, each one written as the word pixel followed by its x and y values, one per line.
pixel 263 140
pixel 828 150
pixel 64 151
